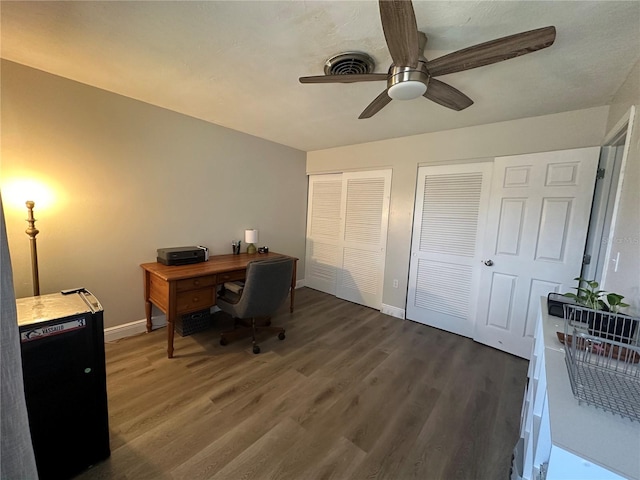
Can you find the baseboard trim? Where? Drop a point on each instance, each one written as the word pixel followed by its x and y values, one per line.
pixel 130 329
pixel 299 283
pixel 126 330
pixel 393 311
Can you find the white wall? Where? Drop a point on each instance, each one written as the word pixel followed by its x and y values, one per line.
pixel 626 233
pixel 127 178
pixel 582 128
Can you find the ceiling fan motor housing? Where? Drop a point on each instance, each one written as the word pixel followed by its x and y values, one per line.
pixel 406 83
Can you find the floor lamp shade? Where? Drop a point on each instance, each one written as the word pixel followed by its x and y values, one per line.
pixel 251 238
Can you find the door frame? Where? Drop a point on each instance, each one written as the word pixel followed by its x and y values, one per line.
pixel 623 127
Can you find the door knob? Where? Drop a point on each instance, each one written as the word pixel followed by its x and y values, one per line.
pixel 488 263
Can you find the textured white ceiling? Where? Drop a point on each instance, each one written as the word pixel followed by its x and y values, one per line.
pixel 237 63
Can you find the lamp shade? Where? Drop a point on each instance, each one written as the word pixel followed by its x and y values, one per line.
pixel 251 236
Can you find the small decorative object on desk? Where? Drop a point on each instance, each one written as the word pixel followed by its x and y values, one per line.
pixel 263 250
pixel 251 238
pixel 236 247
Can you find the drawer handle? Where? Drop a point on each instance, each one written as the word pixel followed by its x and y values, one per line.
pixel 195 299
pixel 196 282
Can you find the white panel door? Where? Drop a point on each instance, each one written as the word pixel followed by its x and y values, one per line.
pixel 536 233
pixel 324 224
pixel 363 237
pixel 448 227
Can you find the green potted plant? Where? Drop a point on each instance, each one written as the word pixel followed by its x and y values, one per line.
pixel 588 294
pixel 610 323
pixel 615 302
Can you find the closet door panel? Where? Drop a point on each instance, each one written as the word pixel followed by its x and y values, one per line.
pixel 451 205
pixel 366 198
pixel 324 224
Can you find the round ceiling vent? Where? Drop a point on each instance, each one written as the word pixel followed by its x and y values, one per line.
pixel 349 63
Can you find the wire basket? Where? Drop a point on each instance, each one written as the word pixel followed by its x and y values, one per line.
pixel 603 359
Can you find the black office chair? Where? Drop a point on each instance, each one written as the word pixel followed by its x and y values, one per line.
pixel 266 287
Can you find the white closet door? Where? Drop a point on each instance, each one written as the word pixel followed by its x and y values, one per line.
pixel 365 203
pixel 324 225
pixel 448 227
pixel 536 234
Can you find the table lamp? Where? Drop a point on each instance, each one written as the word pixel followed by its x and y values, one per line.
pixel 251 238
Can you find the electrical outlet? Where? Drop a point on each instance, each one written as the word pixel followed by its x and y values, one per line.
pixel 395 283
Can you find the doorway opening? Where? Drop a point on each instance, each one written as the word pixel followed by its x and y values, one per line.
pixel 597 258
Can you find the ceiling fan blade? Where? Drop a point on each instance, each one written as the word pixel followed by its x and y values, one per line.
pixel 493 51
pixel 446 95
pixel 400 31
pixel 345 78
pixel 374 107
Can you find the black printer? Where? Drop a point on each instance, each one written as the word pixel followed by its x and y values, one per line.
pixel 183 255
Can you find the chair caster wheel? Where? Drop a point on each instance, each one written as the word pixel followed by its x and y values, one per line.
pixel 223 341
pixel 281 336
pixel 256 349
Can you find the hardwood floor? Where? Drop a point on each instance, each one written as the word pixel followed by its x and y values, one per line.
pixel 349 394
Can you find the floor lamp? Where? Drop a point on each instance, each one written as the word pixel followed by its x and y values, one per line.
pixel 32 231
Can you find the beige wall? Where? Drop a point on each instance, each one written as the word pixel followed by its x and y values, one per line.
pixel 626 234
pixel 403 155
pixel 129 178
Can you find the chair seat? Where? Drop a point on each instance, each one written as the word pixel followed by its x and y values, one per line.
pixel 266 287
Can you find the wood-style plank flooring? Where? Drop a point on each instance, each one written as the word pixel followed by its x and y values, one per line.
pixel 349 394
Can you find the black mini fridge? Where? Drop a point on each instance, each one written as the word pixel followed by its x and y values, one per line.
pixel 62 343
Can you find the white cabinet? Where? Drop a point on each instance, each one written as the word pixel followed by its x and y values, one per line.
pixel 561 439
pixel 534 425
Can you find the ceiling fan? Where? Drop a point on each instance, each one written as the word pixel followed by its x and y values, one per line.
pixel 411 75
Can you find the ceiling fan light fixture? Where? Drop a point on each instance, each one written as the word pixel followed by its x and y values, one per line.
pixel 407 90
pixel 406 83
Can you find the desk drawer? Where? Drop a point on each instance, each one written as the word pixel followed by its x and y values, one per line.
pixel 193 283
pixel 231 276
pixel 194 300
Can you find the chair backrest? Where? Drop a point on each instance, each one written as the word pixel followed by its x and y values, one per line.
pixel 266 287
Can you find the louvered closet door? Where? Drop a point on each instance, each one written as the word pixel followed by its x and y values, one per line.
pixel 324 225
pixel 364 236
pixel 448 226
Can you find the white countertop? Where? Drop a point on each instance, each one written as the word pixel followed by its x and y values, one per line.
pixel 598 436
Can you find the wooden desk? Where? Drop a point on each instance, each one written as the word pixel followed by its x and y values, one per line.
pixel 181 289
